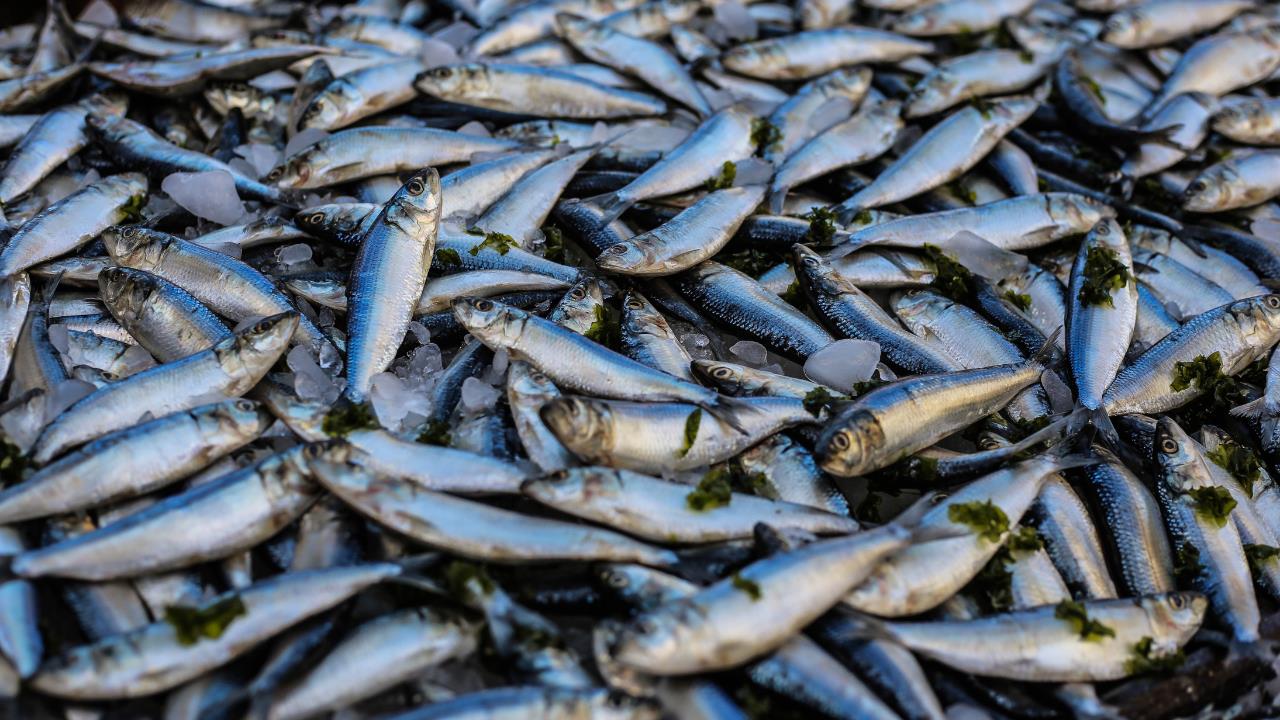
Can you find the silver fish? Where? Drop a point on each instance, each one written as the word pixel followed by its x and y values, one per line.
pixel 1102 310
pixel 524 89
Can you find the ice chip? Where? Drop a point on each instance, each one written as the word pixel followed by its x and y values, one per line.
pixel 390 400
pixel 477 395
pixel 456 35
pixel 58 338
pixel 1059 394
pixel 261 157
pixel 752 171
pixel 843 363
pixel 420 332
pixel 733 17
pixel 135 359
pixel 435 53
pixel 750 352
pixel 834 110
pixel 475 127
pixel 100 12
pixel 306 138
pixel 294 254
pixel 210 195
pixel 273 81
pixel 982 257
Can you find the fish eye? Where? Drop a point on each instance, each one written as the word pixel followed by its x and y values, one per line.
pixel 810 260
pixel 1168 446
pixel 484 305
pixel 415 187
pixel 244 405
pixel 634 304
pixel 578 293
pixel 1177 601
pixel 618 249
pixel 1104 229
pixel 1197 186
pixel 313 451
pixel 721 372
pixel 316 218
pixel 841 441
pixel 616 579
pixel 275 173
pixel 441 72
pixel 129 232
pixel 1273 302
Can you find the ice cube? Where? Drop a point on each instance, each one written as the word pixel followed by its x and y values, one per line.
pixel 420 332
pixel 390 399
pixel 100 12
pixel 833 111
pixel 752 171
pixel 309 381
pixel 475 127
pixel 843 363
pixel 1059 394
pixel 456 35
pixel 58 338
pixel 477 395
pixel 135 359
pixel 294 254
pixel 435 53
pixel 307 137
pixel 261 157
pixel 210 195
pixel 750 352
pixel 273 81
pixel 736 21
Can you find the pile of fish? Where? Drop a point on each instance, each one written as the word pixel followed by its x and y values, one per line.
pixel 640 358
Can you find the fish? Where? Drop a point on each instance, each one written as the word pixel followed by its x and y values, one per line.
pixel 387 279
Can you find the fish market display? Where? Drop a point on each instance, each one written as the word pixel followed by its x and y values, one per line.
pixel 639 359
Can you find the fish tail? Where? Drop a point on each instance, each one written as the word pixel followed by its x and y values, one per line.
pixel 1044 357
pixel 1083 417
pixel 1250 410
pixel 611 205
pixel 911 520
pixel 777 198
pixel 727 410
pixel 853 626
pixel 846 210
pixel 1164 136
pixel 1125 185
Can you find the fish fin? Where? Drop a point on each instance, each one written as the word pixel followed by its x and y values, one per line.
pixel 1044 356
pixel 1054 430
pixel 845 213
pixel 911 517
pixel 1145 268
pixel 1251 410
pixel 1101 422
pixel 770 540
pixel 1196 246
pixel 1126 184
pixel 1164 136
pixel 724 408
pixel 611 205
pixel 777 198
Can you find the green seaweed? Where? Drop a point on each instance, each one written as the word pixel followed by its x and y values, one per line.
pixel 750 587
pixel 448 257
pixel 1141 661
pixel 435 432
pixel 1077 617
pixel 764 134
pixel 713 491
pixel 691 425
pixel 984 518
pixel 724 179
pixel 1239 461
pixel 950 277
pixel 500 242
pixel 1103 273
pixel 822 226
pixel 1022 301
pixel 346 418
pixel 1213 504
pixel 209 621
pixel 1259 555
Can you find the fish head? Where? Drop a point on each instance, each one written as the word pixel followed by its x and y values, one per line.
pixel 730 378
pixel 931 94
pixel 574 486
pixel 582 424
pixel 639 316
pixel 110 127
pixel 582 306
pixel 1174 615
pixel 331 106
pixel 135 246
pixel 1179 457
pixel 818 274
pixel 1122 29
pixel 1212 190
pixel 448 81
pixel 626 255
pixel 917 308
pixel 491 322
pixel 240 418
pixel 418 200
pixel 574 28
pixel 1257 319
pixel 265 338
pixel 107 103
pixel 654 639
pixel 228 95
pixel 1239 116
pixel 846 449
pixel 850 82
pixel 126 291
pixel 1078 211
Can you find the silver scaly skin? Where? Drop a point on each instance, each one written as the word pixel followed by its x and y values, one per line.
pixel 387 278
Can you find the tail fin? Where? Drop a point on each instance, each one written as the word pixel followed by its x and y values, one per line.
pixel 1164 136
pixel 611 206
pixel 1044 356
pixel 727 409
pixel 777 199
pixel 1106 431
pixel 1250 410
